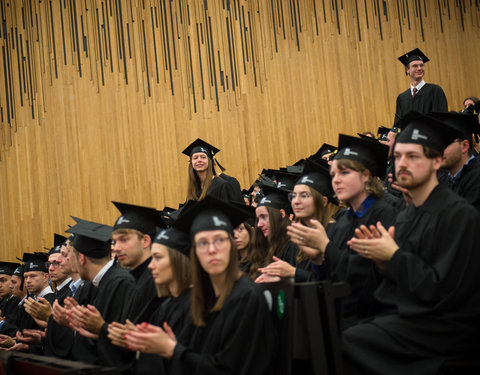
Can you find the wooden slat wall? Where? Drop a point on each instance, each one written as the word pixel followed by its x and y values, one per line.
pixel 98 98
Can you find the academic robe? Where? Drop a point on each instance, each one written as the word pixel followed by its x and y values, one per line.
pixel 431 286
pixel 221 189
pixel 237 340
pixel 112 298
pixel 344 264
pixel 9 312
pixel 25 321
pixel 176 312
pixel 430 98
pixel 468 183
pixel 59 339
pixel 144 295
pixel 236 189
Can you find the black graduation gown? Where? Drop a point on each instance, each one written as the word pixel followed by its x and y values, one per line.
pixel 235 187
pixel 59 339
pixel 344 264
pixel 468 184
pixel 112 298
pixel 430 98
pixel 431 284
pixel 144 298
pixel 174 311
pixel 25 321
pixel 239 339
pixel 289 253
pixel 223 190
pixel 9 312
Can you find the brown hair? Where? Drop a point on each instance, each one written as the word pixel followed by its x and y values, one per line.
pixel 373 186
pixel 265 248
pixel 194 184
pixel 203 296
pixel 181 272
pixel 126 231
pixel 431 153
pixel 323 212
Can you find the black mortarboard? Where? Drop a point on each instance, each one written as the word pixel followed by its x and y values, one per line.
pixel 144 219
pixel 8 268
pixel 413 55
pixel 58 241
pixel 265 181
pixel 250 212
pixel 18 271
pixel 364 136
pixel 382 133
pixel 296 169
pixel 167 209
pixel 200 145
pixel 371 153
pixel 35 262
pixel 275 198
pixel 325 149
pixel 174 239
pixel 465 123
pixel 286 180
pixel 91 239
pixel 210 214
pixel 425 130
pixel 317 176
pixel 472 109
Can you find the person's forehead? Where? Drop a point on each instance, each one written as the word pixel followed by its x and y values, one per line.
pixel 53 257
pixel 408 147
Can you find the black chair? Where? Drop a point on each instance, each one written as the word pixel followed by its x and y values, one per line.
pixel 307 317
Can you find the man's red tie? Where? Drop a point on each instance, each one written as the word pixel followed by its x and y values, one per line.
pixel 414 92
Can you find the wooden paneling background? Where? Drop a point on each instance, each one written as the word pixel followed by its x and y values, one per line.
pixel 99 97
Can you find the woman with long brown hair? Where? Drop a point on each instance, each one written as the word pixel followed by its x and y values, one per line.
pixel 203 179
pixel 312 199
pixel 271 240
pixel 170 267
pixel 354 172
pixel 229 314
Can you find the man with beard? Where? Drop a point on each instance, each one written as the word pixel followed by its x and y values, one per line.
pixel 429 260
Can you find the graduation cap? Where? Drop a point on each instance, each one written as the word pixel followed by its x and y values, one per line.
pixel 472 109
pixel 210 214
pixel 413 55
pixel 199 145
pixel 317 176
pixel 91 239
pixel 18 271
pixel 325 149
pixel 265 181
pixel 465 123
pixel 286 180
pixel 371 153
pixel 144 219
pixel 275 198
pixel 427 131
pixel 382 132
pixel 58 241
pixel 35 262
pixel 296 169
pixel 174 238
pixel 8 268
pixel 367 137
pixel 249 210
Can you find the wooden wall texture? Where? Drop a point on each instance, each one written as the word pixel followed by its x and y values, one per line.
pixel 99 97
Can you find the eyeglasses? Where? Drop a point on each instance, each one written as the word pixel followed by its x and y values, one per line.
pixel 219 244
pixel 302 196
pixel 53 264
